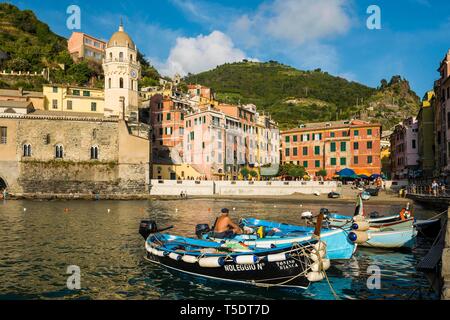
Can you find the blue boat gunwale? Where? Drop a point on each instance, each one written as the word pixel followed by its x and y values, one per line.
pixel 199 243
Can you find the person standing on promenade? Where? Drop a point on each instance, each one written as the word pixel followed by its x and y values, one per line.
pixel 434 188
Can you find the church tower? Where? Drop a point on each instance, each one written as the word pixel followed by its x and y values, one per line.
pixel 122 72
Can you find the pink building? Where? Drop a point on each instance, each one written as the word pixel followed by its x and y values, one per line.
pixel 404 149
pixel 83 46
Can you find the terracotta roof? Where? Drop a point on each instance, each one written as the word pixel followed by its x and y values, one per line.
pixel 15 104
pixel 333 124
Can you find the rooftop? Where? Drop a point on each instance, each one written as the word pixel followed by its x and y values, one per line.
pixel 15 104
pixel 17 93
pixel 333 124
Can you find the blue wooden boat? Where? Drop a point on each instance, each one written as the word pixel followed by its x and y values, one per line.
pixel 404 238
pixel 284 265
pixel 338 244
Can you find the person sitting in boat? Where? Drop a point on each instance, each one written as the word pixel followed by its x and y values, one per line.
pixel 225 227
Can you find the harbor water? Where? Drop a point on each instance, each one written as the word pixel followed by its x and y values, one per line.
pixel 40 239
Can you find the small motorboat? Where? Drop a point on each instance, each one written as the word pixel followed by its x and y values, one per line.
pixel 292 265
pixel 404 238
pixel 267 233
pixel 334 195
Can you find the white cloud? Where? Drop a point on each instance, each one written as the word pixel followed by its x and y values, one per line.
pixel 201 53
pixel 296 21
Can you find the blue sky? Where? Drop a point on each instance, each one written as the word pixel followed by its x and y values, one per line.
pixel 196 35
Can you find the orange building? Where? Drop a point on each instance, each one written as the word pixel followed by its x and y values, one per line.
pixel 333 146
pixel 81 45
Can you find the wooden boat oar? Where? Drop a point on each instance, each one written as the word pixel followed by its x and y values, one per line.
pixel 318 225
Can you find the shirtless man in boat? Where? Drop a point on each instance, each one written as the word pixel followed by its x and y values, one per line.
pixel 225 227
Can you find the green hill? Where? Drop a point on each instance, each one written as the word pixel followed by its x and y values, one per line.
pixel 293 96
pixel 30 45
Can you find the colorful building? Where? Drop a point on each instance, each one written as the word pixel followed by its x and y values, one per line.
pixel 405 150
pixel 442 118
pixel 84 46
pixel 25 96
pixel 426 138
pixel 73 99
pixel 333 146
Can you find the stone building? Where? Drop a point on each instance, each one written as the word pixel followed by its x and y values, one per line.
pixel 55 152
pixel 81 147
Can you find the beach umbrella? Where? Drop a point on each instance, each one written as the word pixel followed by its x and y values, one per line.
pixel 375 176
pixel 362 172
pixel 363 176
pixel 345 173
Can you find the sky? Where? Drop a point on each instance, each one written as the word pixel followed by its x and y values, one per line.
pixel 182 36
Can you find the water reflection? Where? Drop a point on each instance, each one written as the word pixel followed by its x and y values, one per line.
pixel 101 238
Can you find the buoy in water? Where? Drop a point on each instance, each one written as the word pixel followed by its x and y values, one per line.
pixel 109 210
pixel 24 209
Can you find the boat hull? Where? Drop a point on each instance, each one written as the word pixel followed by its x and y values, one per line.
pixel 292 272
pixel 391 239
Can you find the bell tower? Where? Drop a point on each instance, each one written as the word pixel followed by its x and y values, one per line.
pixel 122 72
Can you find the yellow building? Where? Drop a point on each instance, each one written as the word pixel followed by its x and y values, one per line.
pixel 73 99
pixel 175 172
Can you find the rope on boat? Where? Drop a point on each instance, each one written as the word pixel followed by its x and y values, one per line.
pixel 438 215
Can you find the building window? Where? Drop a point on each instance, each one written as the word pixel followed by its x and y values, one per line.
pixel 369 144
pixel 414 144
pixel 317 150
pixel 369 132
pixel 76 92
pixel 182 116
pixel 294 138
pixel 59 152
pixel 332 134
pixel 317 163
pixel 355 160
pixel 27 150
pixel 295 152
pixel 55 104
pixel 369 159
pixel 86 93
pixel 120 56
pixel 93 106
pixel 69 104
pixel 109 83
pixel 287 152
pixel 94 153
pixel 305 151
pixel 343 161
pixel 356 133
pixel 3 135
pixel 121 83
pixel 355 145
pixel 343 146
pixel 55 89
pixel 305 164
pixel 192 135
pixel 333 161
pixel 168 116
pixel 287 139
pixel 333 147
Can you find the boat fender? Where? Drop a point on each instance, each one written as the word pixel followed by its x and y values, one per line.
pixel 317 255
pixel 316 266
pixel 315 276
pixel 358 236
pixel 159 253
pixel 276 257
pixel 189 259
pixel 321 246
pixel 174 256
pixel 211 262
pixel 246 259
pixel 361 226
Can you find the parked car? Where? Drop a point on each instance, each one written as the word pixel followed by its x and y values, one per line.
pixel 373 191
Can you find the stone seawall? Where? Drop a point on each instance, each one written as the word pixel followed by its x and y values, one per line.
pixel 239 188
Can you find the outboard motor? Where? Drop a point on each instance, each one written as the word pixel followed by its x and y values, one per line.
pixel 147 227
pixel 325 212
pixel 201 229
